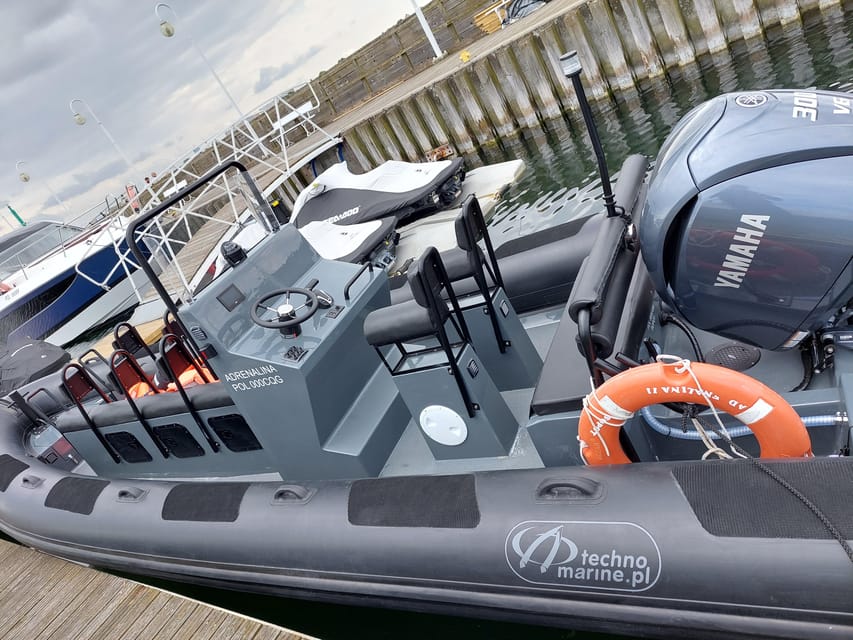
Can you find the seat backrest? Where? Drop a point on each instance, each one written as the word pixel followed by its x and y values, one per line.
pixel 174 326
pixel 470 227
pixel 177 359
pixel 79 383
pixel 126 337
pixel 428 280
pixel 131 378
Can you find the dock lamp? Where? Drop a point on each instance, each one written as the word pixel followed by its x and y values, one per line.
pixel 24 177
pixel 168 30
pixel 80 119
pixel 571 67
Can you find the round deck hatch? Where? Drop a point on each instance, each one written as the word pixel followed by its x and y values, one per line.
pixel 443 425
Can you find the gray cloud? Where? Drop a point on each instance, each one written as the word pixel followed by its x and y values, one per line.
pixel 269 75
pixel 154 95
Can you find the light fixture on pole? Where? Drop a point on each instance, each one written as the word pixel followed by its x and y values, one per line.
pixel 80 119
pixel 24 177
pixel 168 30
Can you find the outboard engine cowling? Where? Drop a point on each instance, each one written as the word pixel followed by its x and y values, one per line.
pixel 747 229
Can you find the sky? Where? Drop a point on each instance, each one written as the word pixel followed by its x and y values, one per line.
pixel 154 95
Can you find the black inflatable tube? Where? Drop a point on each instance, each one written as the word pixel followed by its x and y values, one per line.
pixel 595 275
pixel 603 332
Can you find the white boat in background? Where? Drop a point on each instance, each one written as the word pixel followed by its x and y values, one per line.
pixel 59 281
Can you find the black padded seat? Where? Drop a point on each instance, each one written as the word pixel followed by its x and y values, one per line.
pixel 101 415
pixel 204 396
pixel 456 264
pixel 611 300
pixel 565 376
pixel 398 323
pixel 212 395
pixel 564 379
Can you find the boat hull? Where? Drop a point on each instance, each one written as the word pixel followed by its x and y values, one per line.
pixel 602 549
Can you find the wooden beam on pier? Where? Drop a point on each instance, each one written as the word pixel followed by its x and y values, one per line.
pixel 46 597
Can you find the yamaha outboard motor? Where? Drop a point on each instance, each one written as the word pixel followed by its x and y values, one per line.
pixel 748 225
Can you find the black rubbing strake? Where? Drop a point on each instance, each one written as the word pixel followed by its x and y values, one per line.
pixel 417 501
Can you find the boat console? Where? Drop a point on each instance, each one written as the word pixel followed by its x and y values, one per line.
pixel 283 333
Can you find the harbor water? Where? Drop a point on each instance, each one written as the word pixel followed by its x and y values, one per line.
pixel 561 183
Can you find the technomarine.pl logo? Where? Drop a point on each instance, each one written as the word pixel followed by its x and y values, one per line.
pixel 617 556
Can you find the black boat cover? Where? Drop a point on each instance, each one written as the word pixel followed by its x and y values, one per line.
pixel 27 362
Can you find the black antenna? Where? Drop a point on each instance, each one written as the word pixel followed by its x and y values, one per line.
pixel 571 66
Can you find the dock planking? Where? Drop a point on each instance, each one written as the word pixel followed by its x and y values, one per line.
pixel 43 597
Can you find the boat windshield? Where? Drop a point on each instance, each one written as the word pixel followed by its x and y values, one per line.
pixel 34 244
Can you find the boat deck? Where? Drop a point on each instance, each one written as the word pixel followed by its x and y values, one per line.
pixel 45 597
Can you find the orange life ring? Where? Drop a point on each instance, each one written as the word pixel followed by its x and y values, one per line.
pixel 777 427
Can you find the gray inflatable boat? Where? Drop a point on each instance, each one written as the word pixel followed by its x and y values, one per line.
pixel 551 456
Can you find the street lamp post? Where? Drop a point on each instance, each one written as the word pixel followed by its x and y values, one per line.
pixel 427 30
pixel 24 177
pixel 168 30
pixel 80 119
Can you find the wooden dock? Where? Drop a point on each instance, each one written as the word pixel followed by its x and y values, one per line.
pixel 45 597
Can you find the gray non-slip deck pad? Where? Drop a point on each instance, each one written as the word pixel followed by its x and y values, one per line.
pixel 415 501
pixel 205 501
pixel 77 495
pixel 9 469
pixel 737 499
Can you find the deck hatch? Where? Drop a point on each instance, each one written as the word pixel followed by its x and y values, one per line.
pixel 204 501
pixel 720 493
pixel 128 447
pixel 77 495
pixel 234 433
pixel 10 468
pixel 440 502
pixel 179 441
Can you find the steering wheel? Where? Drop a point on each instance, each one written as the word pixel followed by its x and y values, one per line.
pixel 287 314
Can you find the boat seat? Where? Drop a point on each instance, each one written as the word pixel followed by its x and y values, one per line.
pixel 410 319
pixel 181 365
pixel 126 336
pixel 422 317
pixel 402 322
pixel 213 395
pixel 79 385
pixel 134 383
pixel 421 376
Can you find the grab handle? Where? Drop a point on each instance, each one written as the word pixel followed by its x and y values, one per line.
pixel 367 265
pixel 575 489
